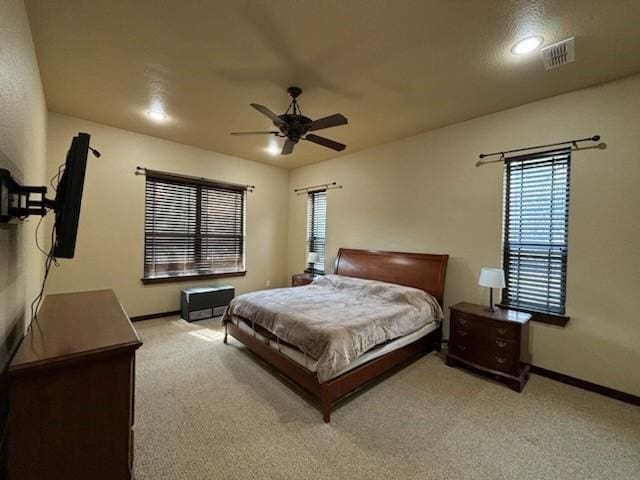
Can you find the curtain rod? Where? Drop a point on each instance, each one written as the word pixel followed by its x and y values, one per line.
pixel 143 171
pixel 574 143
pixel 322 186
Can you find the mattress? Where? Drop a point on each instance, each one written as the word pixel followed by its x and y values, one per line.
pixel 337 319
pixel 311 363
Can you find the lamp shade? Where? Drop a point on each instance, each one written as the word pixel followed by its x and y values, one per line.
pixel 313 257
pixel 491 277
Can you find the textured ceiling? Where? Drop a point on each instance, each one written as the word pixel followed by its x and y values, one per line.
pixel 393 67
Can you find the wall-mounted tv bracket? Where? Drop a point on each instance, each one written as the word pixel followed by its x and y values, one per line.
pixel 19 201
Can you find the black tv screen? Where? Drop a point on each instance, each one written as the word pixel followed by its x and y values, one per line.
pixel 69 197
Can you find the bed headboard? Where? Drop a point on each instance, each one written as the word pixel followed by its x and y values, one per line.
pixel 419 270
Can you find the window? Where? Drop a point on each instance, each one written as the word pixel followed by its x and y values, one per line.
pixel 193 227
pixel 316 225
pixel 536 218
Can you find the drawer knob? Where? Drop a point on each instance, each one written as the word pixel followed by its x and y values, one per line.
pixel 462 333
pixel 501 343
pixel 461 347
pixel 502 331
pixel 501 359
pixel 463 321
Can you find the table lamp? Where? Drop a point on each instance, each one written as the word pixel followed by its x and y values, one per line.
pixel 491 278
pixel 312 259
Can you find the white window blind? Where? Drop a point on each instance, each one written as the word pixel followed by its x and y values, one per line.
pixel 192 228
pixel 316 225
pixel 536 221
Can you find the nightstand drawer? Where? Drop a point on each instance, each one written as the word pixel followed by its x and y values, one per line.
pixel 497 346
pixel 501 345
pixel 490 329
pixel 459 334
pixel 464 349
pixel 487 354
pixel 502 363
pixel 506 331
pixel 462 320
pixel 464 325
pixel 500 355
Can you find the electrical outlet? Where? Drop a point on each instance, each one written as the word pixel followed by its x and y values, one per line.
pixel 268 283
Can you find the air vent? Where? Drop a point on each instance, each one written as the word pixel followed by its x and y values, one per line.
pixel 560 53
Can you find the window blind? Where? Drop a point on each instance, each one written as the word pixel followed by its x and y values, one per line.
pixel 316 225
pixel 536 221
pixel 192 228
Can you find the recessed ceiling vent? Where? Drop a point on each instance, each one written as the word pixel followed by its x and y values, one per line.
pixel 560 53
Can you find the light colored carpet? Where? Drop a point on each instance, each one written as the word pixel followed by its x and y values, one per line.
pixel 206 410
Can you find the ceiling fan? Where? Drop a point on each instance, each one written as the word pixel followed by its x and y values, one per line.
pixel 294 126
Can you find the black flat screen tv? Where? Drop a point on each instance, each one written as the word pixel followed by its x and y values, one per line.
pixel 69 197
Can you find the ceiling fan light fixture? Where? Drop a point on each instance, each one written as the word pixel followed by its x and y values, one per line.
pixel 273 148
pixel 527 45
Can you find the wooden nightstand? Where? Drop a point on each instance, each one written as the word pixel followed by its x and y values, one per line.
pixel 300 279
pixel 496 343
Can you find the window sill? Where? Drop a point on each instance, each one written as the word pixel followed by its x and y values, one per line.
pixel 541 317
pixel 188 278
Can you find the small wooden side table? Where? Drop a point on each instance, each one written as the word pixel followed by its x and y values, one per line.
pixel 300 279
pixel 496 343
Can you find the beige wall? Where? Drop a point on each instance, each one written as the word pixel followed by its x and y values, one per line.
pixel 109 249
pixel 424 194
pixel 22 151
pixel 419 194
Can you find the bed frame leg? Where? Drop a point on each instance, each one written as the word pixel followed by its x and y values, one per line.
pixel 225 333
pixel 325 403
pixel 438 339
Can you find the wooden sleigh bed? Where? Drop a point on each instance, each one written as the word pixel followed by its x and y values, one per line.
pixel 422 271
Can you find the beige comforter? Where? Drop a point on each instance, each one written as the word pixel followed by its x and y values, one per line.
pixel 336 319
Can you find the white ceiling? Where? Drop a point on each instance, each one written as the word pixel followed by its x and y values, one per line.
pixel 394 68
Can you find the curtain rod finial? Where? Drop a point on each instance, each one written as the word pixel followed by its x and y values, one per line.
pixel 595 138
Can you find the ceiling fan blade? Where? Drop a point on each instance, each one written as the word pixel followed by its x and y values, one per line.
pixel 265 111
pixel 255 133
pixel 287 148
pixel 327 122
pixel 325 142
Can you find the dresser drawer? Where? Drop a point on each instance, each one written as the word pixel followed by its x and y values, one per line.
pixel 462 320
pixel 486 354
pixel 464 325
pixel 460 335
pixel 491 329
pixel 503 363
pixel 466 350
pixel 500 355
pixel 506 331
pixel 497 346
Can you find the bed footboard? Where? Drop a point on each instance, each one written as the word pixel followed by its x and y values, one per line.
pixel 336 389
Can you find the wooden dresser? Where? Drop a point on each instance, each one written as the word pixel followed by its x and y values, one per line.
pixel 71 387
pixel 496 343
